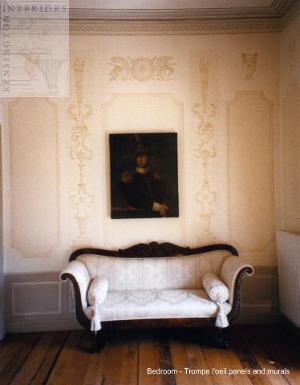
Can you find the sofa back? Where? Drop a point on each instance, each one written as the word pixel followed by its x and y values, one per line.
pixel 177 272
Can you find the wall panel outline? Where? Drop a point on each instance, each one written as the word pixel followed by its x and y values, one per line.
pixel 16 246
pixel 258 213
pixel 16 285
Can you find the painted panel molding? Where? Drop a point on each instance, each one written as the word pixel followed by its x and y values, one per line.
pixel 37 302
pixel 36 298
pixel 250 168
pixel 34 176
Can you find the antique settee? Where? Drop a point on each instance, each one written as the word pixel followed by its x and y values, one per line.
pixel 156 283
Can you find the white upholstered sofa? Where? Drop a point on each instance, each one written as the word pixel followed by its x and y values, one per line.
pixel 157 282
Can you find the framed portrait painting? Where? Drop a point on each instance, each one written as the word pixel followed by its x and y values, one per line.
pixel 144 175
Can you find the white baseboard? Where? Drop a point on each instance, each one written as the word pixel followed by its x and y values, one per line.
pixel 43 326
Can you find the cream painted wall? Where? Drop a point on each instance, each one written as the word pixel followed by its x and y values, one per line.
pixel 288 181
pixel 219 93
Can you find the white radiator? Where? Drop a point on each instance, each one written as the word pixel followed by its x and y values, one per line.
pixel 288 251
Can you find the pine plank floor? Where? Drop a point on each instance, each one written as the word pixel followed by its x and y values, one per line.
pixel 259 355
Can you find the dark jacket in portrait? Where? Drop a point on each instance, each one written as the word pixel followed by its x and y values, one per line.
pixel 141 190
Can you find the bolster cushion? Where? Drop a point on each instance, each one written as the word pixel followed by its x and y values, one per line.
pixel 215 288
pixel 218 293
pixel 96 295
pixel 97 291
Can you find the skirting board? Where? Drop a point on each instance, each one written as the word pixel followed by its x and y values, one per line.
pixel 40 302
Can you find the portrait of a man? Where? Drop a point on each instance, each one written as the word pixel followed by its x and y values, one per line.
pixel 144 175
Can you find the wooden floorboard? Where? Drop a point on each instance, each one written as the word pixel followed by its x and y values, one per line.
pixel 41 360
pixel 62 358
pixel 121 362
pixel 72 363
pixel 189 355
pixel 241 346
pixel 16 357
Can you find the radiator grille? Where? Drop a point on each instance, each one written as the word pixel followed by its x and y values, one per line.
pixel 288 250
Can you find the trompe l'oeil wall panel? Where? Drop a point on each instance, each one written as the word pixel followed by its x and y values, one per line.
pixel 215 92
pixel 34 176
pixel 288 178
pixel 250 165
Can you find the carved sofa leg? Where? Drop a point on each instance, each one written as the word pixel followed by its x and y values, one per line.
pixel 219 339
pixel 99 342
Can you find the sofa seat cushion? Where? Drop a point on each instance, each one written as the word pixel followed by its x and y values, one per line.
pixel 147 304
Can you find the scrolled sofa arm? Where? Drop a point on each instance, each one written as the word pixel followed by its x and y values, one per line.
pixel 78 273
pixel 231 273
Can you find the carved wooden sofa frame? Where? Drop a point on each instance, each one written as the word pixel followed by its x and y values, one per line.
pixel 158 250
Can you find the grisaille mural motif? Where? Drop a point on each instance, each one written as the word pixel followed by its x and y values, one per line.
pixel 249 62
pixel 142 68
pixel 82 200
pixel 193 105
pixel 205 148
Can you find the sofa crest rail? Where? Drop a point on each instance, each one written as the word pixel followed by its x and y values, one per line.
pixel 154 250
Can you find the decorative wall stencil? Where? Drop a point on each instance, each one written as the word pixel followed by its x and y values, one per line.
pixel 249 64
pixel 142 68
pixel 292 54
pixel 82 200
pixel 205 148
pixel 250 171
